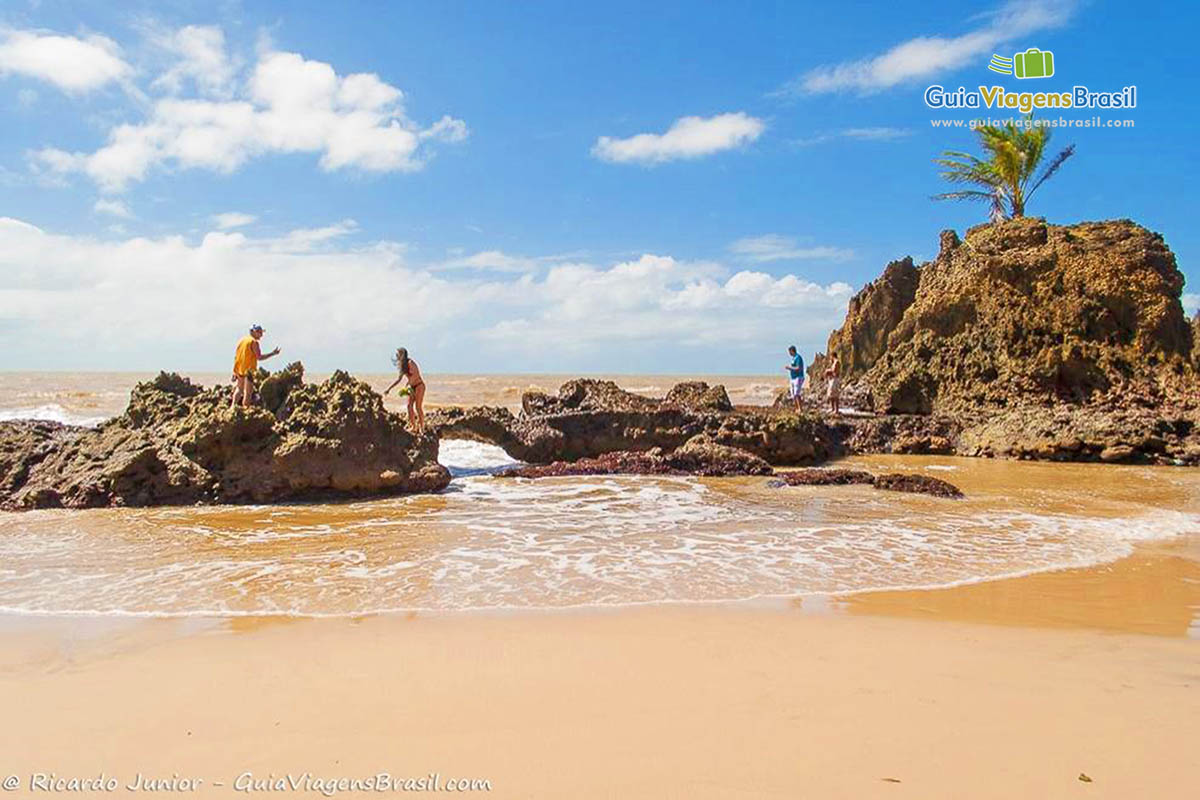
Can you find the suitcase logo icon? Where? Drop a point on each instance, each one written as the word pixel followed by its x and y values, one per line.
pixel 1033 63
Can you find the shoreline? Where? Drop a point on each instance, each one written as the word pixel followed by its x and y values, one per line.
pixel 1164 575
pixel 898 694
pixel 639 703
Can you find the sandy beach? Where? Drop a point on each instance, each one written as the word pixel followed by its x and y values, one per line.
pixel 661 702
pixel 825 698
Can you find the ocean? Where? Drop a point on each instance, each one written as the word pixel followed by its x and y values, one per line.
pixel 495 544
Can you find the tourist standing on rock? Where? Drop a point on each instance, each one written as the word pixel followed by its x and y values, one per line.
pixel 416 384
pixel 795 369
pixel 833 374
pixel 245 362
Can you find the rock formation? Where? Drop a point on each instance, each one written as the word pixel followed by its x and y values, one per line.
pixel 699 455
pixel 179 443
pixel 589 418
pixel 1027 340
pixel 1020 312
pixel 892 482
pixel 872 315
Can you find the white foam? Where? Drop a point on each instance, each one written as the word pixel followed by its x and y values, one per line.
pixel 553 543
pixel 465 458
pixel 51 412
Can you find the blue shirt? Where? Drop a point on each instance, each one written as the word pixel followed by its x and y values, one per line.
pixel 797 368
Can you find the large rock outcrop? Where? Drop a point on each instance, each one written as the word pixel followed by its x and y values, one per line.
pixel 1027 340
pixel 1020 312
pixel 589 418
pixel 179 443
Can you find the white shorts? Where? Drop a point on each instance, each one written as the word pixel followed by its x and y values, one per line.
pixel 797 384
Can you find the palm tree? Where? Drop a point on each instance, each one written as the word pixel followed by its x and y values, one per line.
pixel 1013 151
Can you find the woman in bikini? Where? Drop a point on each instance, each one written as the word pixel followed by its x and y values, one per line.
pixel 416 384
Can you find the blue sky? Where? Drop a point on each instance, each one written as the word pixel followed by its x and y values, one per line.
pixel 546 187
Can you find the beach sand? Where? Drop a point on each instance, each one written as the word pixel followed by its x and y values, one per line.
pixel 750 701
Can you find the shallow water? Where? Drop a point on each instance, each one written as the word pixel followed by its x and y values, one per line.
pixel 85 398
pixel 490 543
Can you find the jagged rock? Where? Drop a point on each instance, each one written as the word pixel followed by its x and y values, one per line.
pixel 872 315
pixel 589 418
pixel 698 456
pixel 1196 340
pixel 892 482
pixel 1116 453
pixel 1158 435
pixel 901 434
pixel 585 394
pixel 702 455
pixel 179 443
pixel 921 484
pixel 26 443
pixel 1020 311
pixel 274 388
pixel 1028 312
pixel 826 477
pixel 487 424
pixel 1027 340
pixel 698 396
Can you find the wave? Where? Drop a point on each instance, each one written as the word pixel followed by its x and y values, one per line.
pixel 51 412
pixel 494 544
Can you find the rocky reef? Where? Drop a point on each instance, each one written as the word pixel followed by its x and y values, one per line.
pixel 892 481
pixel 1026 340
pixel 699 455
pixel 592 418
pixel 180 443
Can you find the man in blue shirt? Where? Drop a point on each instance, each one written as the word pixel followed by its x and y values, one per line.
pixel 795 376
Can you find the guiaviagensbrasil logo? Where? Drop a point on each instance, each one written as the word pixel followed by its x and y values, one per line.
pixel 1033 63
pixel 1030 63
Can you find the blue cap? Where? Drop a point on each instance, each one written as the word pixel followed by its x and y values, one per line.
pixel 256 327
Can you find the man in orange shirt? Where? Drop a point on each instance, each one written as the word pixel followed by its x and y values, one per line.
pixel 245 361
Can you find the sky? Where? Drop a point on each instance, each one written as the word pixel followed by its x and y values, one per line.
pixel 537 187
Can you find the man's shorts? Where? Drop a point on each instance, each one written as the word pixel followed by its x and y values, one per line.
pixel 797 385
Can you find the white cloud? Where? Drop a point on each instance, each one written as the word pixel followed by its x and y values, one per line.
pixel 232 219
pixel 201 59
pixel 304 240
pixel 925 56
pixel 688 137
pixel 289 105
pixel 1191 303
pixel 774 247
pixel 877 134
pixel 339 305
pixel 113 207
pixel 493 260
pixel 72 64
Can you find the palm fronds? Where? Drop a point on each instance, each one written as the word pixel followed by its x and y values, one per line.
pixel 1011 156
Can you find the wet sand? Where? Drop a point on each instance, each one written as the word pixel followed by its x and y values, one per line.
pixel 1155 591
pixel 687 702
pixel 1004 689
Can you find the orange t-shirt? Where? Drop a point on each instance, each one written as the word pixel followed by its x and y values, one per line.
pixel 245 360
